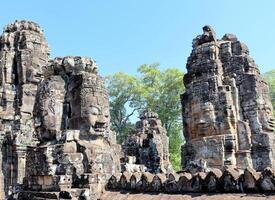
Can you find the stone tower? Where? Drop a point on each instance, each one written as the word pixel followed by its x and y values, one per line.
pixel 55 132
pixel 226 109
pixel 77 153
pixel 23 52
pixel 149 144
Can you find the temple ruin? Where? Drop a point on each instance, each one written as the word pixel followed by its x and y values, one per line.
pixel 23 52
pixel 57 143
pixel 226 109
pixel 148 147
pixel 55 124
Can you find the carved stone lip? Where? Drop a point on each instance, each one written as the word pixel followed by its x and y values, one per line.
pixel 203 126
pixel 99 129
pixel 99 125
pixel 38 75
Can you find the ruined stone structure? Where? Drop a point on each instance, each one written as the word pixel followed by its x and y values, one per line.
pixel 23 51
pixel 55 135
pixel 56 140
pixel 147 149
pixel 227 112
pixel 77 152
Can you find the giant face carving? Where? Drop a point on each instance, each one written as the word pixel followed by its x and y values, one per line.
pixel 33 74
pixel 49 107
pixel 32 56
pixel 92 112
pixel 266 118
pixel 202 120
pixel 95 111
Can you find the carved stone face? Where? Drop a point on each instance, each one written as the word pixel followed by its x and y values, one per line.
pixel 266 118
pixel 33 74
pixel 96 115
pixel 90 105
pixel 202 120
pixel 49 107
pixel 31 57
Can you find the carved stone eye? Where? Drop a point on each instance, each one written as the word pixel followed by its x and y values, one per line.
pixel 106 113
pixel 94 110
pixel 268 111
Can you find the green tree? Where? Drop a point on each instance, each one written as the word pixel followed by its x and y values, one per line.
pixel 152 88
pixel 270 78
pixel 123 94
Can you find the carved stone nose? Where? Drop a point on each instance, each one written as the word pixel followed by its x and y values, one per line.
pixel 202 121
pixel 101 119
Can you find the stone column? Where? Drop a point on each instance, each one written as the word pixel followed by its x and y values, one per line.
pixel 21 164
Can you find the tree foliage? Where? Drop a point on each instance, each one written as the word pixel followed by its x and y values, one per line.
pixel 124 98
pixel 160 91
pixel 151 88
pixel 270 78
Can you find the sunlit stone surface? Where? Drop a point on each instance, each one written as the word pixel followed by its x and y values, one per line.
pixel 226 109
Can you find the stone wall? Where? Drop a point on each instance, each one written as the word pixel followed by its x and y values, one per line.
pixel 215 181
pixel 226 109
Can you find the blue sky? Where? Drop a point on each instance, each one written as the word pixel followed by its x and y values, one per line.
pixel 123 34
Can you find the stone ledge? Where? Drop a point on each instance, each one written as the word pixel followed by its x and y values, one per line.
pixel 229 180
